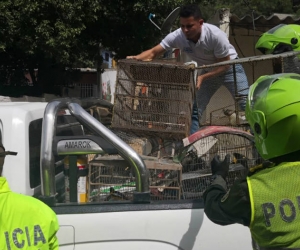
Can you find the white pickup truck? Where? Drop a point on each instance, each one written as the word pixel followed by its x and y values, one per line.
pixel 33 130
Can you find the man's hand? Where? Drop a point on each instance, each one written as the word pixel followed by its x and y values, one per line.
pixel 220 167
pixel 199 82
pixel 130 57
pixel 149 54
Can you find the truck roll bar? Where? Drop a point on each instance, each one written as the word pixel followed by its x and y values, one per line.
pixel 49 132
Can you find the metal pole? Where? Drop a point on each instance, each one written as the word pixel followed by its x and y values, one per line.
pixel 73 177
pixel 99 63
pixel 47 158
pixel 142 173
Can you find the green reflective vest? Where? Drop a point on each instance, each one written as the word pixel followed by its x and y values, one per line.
pixel 25 222
pixel 275 206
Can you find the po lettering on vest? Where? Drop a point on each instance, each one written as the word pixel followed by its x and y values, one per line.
pixel 78 144
pixel 286 210
pixel 20 238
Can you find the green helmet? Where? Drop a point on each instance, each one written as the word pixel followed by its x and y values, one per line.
pixel 273 112
pixel 281 38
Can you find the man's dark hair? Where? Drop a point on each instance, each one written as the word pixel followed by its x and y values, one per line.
pixel 190 10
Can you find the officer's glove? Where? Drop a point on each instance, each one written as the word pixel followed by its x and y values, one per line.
pixel 220 167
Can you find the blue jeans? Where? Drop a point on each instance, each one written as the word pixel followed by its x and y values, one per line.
pixel 210 86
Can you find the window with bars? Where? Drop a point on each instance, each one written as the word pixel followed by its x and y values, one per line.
pixel 86 90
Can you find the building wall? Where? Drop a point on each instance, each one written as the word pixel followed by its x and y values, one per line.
pixel 109 84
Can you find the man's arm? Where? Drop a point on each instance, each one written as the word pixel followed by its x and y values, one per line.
pixel 215 72
pixel 223 207
pixel 149 54
pixel 230 207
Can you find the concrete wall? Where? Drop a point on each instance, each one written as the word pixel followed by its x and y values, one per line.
pixel 244 42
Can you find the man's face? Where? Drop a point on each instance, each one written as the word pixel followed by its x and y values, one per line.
pixel 191 27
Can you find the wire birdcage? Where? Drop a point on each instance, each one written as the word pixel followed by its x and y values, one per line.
pixel 154 98
pixel 111 178
pixel 196 171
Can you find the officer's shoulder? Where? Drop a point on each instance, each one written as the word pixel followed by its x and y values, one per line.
pixel 33 203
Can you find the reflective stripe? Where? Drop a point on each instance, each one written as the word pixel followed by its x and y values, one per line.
pixel 251 200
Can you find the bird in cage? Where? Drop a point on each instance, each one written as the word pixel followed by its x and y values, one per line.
pixel 115 195
pixel 192 162
pixel 241 159
pixel 231 114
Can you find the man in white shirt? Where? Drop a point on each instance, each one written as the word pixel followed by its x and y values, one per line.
pixel 205 44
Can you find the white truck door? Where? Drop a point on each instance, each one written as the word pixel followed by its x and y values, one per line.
pixel 66 237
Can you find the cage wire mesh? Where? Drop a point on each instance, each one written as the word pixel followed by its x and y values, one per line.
pixel 226 105
pixel 154 98
pixel 112 179
pixel 196 171
pixel 165 179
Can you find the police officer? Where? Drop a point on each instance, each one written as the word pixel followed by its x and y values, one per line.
pixel 268 199
pixel 25 222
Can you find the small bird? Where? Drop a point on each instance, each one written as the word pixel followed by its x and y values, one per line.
pixel 239 158
pixel 232 116
pixel 191 162
pixel 239 161
pixel 115 195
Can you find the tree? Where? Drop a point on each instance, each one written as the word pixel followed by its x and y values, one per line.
pixel 52 35
pixel 44 35
pixel 129 30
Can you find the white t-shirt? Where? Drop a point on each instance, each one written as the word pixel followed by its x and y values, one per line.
pixel 213 43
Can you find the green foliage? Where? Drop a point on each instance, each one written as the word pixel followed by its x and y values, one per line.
pixel 125 27
pixel 51 35
pixel 44 35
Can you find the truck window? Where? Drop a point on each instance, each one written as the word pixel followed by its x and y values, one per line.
pixel 67 125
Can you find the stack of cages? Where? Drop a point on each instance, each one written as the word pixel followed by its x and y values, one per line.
pixel 112 178
pixel 229 93
pixel 152 113
pixel 196 162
